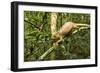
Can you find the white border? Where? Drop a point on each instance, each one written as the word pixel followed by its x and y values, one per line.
pixel 34 64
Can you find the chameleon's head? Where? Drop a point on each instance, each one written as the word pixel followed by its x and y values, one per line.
pixel 56 36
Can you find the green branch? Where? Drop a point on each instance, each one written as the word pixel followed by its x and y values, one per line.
pixel 82 25
pixel 46 53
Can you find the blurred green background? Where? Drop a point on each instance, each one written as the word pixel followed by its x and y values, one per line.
pixel 37 36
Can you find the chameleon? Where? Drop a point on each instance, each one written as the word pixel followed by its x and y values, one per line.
pixel 65 29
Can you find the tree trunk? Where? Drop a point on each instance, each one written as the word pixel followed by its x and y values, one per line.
pixel 53 30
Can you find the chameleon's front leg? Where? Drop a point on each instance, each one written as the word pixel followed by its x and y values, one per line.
pixel 60 40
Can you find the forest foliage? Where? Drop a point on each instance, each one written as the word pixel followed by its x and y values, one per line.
pixel 37 37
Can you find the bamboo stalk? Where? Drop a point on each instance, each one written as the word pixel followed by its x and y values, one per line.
pixel 53 23
pixel 53 30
